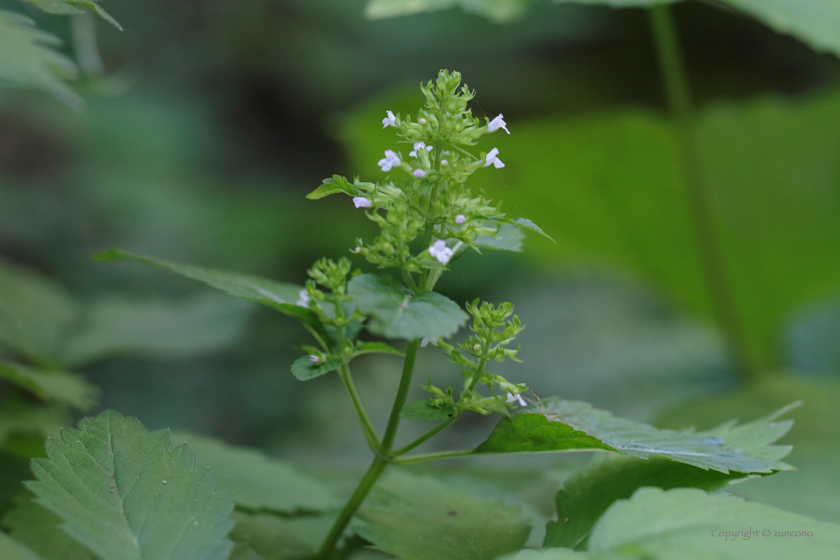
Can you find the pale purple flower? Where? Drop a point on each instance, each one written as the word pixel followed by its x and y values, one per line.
pixel 303 298
pixel 390 120
pixel 420 146
pixel 491 158
pixel 497 123
pixel 390 160
pixel 440 251
pixel 314 359
pixel 460 219
pixel 513 398
pixel 361 202
pixel 419 173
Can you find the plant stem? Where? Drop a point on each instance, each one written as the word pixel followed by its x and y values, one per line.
pixel 432 457
pixel 675 83
pixel 367 427
pixel 399 401
pixel 425 437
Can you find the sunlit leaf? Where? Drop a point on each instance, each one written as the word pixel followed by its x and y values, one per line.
pixel 535 432
pixel 58 386
pixel 127 494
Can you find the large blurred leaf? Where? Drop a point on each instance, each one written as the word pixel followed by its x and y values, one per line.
pixel 745 448
pixel 58 386
pixel 116 325
pixel 417 518
pixel 38 528
pixel 398 314
pixel 27 59
pixel 10 549
pixel 279 538
pixel 127 494
pixel 71 7
pixel 256 481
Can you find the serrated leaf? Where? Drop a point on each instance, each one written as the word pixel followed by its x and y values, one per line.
pixel 258 482
pixel 277 295
pixel 333 185
pixel 115 325
pixel 398 314
pixel 29 59
pixel 586 496
pixel 69 7
pixel 418 518
pixel 10 549
pixel 57 386
pixel 38 528
pixel 127 494
pixel 277 538
pixel 508 238
pixel 535 432
pixel 425 410
pixel 304 369
pixel 375 348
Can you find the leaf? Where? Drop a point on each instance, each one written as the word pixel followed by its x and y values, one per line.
pixel 335 184
pixel 276 295
pixel 10 549
pixel 258 482
pixel 425 410
pixel 18 417
pixel 127 494
pixel 58 386
pixel 397 314
pixel 68 7
pixel 418 518
pixel 509 238
pixel 304 369
pixel 525 223
pixel 497 10
pixel 277 538
pixel 375 348
pixel 535 432
pixel 34 312
pixel 587 495
pixel 37 528
pixel 115 325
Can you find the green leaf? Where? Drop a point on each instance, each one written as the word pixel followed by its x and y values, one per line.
pixel 535 432
pixel 29 60
pixel 398 314
pixel 497 10
pixel 587 495
pixel 69 7
pixel 525 223
pixel 258 482
pixel 277 538
pixel 114 325
pixel 127 494
pixel 418 518
pixel 425 410
pixel 38 529
pixel 57 386
pixel 34 312
pixel 10 549
pixel 19 417
pixel 273 294
pixel 336 184
pixel 375 348
pixel 509 238
pixel 304 369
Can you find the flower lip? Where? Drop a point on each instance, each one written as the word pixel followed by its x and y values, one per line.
pixel 496 124
pixel 517 397
pixel 419 173
pixel 390 160
pixel 389 120
pixel 362 202
pixel 303 298
pixel 492 158
pixel 420 146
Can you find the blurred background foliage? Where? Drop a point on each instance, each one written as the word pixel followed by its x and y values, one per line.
pixel 207 121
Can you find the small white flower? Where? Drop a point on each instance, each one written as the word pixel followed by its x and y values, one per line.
pixel 513 398
pixel 390 160
pixel 419 173
pixel 491 158
pixel 361 202
pixel 315 359
pixel 460 219
pixel 497 123
pixel 357 250
pixel 440 251
pixel 303 298
pixel 421 120
pixel 390 120
pixel 420 146
pixel 444 163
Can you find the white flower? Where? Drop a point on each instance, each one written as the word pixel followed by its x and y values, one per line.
pixel 460 219
pixel 496 124
pixel 491 158
pixel 357 250
pixel 419 173
pixel 361 202
pixel 428 340
pixel 315 359
pixel 513 398
pixel 444 163
pixel 390 160
pixel 440 251
pixel 420 146
pixel 303 298
pixel 390 120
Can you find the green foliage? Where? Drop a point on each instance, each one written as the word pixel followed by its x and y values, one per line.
pixel 10 549
pixel 38 529
pixel 278 538
pixel 535 432
pixel 57 386
pixel 417 518
pixel 305 369
pixel 71 7
pixel 111 481
pixel 396 313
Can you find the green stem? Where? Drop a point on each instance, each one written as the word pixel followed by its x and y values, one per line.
pixel 399 401
pixel 425 437
pixel 367 427
pixel 676 87
pixel 432 457
pixel 409 281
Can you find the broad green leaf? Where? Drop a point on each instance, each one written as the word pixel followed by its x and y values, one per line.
pixel 258 482
pixel 278 538
pixel 418 518
pixel 425 410
pixel 276 295
pixel 525 223
pixel 34 312
pixel 509 238
pixel 304 369
pixel 127 494
pixel 588 494
pixel 28 59
pixel 38 529
pixel 564 425
pixel 57 386
pixel 10 549
pixel 241 551
pixel 333 185
pixel 114 325
pixel 69 7
pixel 375 348
pixel 398 314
